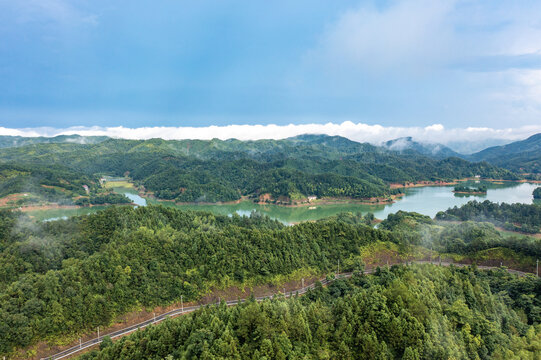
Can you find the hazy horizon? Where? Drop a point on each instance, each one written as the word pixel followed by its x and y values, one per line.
pixel 465 141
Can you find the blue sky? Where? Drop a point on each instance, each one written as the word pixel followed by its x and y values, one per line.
pixel 199 63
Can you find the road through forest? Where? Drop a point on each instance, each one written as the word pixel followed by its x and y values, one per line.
pixel 180 311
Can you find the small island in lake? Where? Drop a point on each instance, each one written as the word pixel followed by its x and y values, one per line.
pixel 481 190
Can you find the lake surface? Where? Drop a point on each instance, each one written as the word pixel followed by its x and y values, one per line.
pixel 425 200
pixel 133 195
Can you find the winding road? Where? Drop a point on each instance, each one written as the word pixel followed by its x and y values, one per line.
pixel 176 312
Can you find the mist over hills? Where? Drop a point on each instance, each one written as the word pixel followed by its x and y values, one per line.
pixel 493 150
pixel 407 144
pixel 7 141
pixel 334 145
pixel 468 147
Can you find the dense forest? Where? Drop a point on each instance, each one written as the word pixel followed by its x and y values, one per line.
pixel 419 312
pixel 516 217
pixel 64 277
pixel 287 170
pixel 537 193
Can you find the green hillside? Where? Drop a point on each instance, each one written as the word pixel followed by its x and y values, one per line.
pixel 216 170
pixel 424 312
pixel 520 156
pixel 63 278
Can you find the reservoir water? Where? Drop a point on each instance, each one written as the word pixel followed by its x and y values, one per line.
pixel 425 200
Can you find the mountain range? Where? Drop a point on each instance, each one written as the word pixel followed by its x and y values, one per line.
pixel 225 170
pixel 521 156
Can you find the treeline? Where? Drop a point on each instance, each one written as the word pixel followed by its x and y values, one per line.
pixel 288 170
pixel 66 276
pixel 515 217
pixel 537 193
pixel 419 312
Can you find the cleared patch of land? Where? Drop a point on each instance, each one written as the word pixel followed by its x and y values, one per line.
pixel 118 184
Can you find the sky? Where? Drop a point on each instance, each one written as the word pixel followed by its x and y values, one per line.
pixel 250 69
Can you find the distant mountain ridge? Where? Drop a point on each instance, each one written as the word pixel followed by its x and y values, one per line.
pixel 520 156
pixel 283 171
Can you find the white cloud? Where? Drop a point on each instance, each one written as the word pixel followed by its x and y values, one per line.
pixel 420 34
pixel 408 34
pixel 375 134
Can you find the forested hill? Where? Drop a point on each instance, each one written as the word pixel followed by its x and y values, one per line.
pixel 425 312
pixel 286 170
pixel 62 278
pixel 520 156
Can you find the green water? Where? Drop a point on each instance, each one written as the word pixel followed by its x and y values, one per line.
pixel 425 200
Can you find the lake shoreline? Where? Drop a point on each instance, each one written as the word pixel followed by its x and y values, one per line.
pixel 425 200
pixel 323 201
pixel 424 183
pixel 305 203
pixel 335 201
